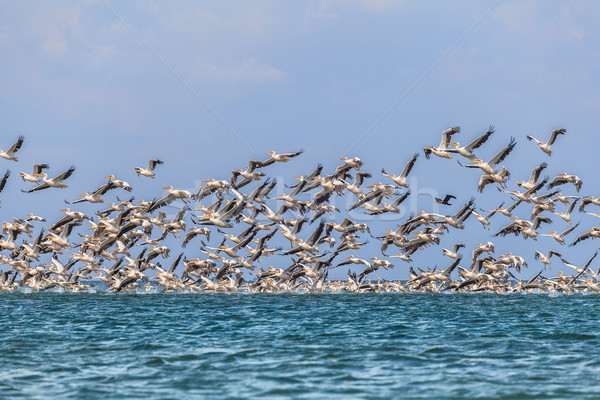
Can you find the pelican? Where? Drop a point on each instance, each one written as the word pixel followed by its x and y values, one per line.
pixel 533 178
pixel 119 184
pixel 467 151
pixel 546 147
pixel 545 259
pixel 400 180
pixel 34 176
pixel 490 166
pixel 173 195
pixel 500 178
pixel 283 157
pixel 563 178
pixel 567 215
pixel 4 180
pixel 454 252
pixel 441 150
pixel 148 171
pixel 56 182
pixel 10 153
pixel 95 197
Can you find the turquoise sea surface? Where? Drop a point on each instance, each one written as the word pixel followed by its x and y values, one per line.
pixel 370 346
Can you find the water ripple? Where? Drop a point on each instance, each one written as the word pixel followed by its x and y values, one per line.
pixel 97 346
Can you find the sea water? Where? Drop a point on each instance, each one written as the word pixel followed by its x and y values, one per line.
pixel 371 346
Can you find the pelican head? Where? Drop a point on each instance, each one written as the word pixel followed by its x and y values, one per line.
pixel 111 177
pixel 271 153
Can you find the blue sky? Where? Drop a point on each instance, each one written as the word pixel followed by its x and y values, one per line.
pixel 84 82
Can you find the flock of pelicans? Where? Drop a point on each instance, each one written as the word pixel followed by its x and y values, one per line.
pixel 127 242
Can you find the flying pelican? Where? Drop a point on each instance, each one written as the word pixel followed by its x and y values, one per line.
pixel 400 180
pixel 467 151
pixel 454 252
pixel 567 215
pixel 4 180
pixel 34 176
pixel 490 166
pixel 283 157
pixel 95 197
pixel 441 150
pixel 545 259
pixel 55 182
pixel 546 147
pixel 10 153
pixel 148 171
pixel 500 178
pixel 119 184
pixel 563 178
pixel 533 178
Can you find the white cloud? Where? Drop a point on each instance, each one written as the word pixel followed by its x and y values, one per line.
pixel 249 71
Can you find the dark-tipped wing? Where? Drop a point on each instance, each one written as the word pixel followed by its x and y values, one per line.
pixel 554 135
pixel 409 165
pixel 502 154
pixel 4 180
pixel 153 162
pixel 15 147
pixel 475 144
pixel 65 175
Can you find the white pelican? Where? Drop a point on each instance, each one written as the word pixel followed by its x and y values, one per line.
pixel 454 252
pixel 500 178
pixel 567 215
pixel 535 175
pixel 545 259
pixel 490 166
pixel 400 180
pixel 283 157
pixel 34 176
pixel 467 151
pixel 546 147
pixel 441 150
pixel 148 171
pixel 563 178
pixel 55 182
pixel 10 153
pixel 119 184
pixel 4 180
pixel 95 197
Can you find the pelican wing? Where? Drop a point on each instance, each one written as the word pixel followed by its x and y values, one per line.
pixel 535 174
pixel 65 175
pixel 153 162
pixel 38 187
pixel 4 180
pixel 475 144
pixel 554 134
pixel 557 181
pixel 409 165
pixel 502 154
pixel 571 229
pixel 15 147
pixel 446 135
pixel 512 228
pixel 38 168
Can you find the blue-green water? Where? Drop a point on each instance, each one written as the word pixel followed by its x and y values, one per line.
pixel 97 346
